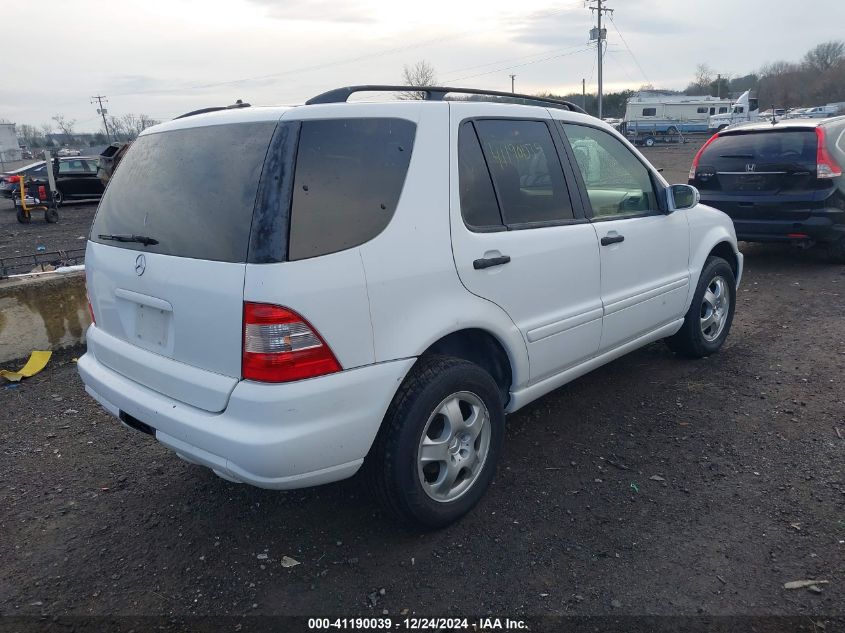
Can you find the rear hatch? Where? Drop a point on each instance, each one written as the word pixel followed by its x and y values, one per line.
pixel 166 259
pixel 749 173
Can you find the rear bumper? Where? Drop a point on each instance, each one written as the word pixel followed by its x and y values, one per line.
pixel 819 227
pixel 273 436
pixel 768 222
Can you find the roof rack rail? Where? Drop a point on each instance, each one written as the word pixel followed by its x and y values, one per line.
pixel 235 105
pixel 435 93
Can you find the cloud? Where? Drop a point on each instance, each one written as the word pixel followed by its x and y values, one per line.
pixel 572 28
pixel 316 11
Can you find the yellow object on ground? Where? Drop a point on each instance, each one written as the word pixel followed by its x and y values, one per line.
pixel 37 361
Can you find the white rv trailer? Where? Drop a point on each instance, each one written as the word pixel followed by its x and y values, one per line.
pixel 671 114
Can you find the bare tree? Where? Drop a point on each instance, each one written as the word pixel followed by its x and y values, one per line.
pixel 420 74
pixel 129 126
pixel 65 125
pixel 30 135
pixel 825 56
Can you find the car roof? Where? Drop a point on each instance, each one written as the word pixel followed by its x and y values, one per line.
pixel 784 124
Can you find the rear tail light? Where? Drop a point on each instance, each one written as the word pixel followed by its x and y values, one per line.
pixel 826 167
pixel 698 156
pixel 90 307
pixel 281 346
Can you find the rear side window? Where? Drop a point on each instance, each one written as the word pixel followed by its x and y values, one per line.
pixel 478 199
pixel 701 110
pixel 526 171
pixel 762 148
pixel 349 176
pixel 649 111
pixel 193 190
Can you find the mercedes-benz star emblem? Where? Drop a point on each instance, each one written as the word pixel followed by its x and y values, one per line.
pixel 140 265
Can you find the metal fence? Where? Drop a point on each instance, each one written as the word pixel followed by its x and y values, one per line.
pixel 40 262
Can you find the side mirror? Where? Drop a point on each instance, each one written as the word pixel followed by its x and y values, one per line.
pixel 683 197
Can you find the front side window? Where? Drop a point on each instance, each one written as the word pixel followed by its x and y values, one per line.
pixel 526 171
pixel 617 183
pixel 349 176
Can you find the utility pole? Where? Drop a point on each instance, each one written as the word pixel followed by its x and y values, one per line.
pixel 599 35
pixel 102 111
pixel 719 86
pixel 584 95
pixel 512 78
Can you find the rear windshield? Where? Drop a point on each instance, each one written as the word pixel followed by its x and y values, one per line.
pixel 192 190
pixel 783 146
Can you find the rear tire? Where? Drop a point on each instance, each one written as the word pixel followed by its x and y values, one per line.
pixel 51 216
pixel 439 443
pixel 649 141
pixel 709 318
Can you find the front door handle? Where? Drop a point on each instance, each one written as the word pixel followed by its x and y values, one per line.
pixel 488 262
pixel 607 240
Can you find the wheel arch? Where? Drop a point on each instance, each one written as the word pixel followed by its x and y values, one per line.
pixel 481 347
pixel 724 250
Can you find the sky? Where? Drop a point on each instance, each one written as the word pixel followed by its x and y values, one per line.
pixel 166 57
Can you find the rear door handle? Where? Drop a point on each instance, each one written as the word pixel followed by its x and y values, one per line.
pixel 488 262
pixel 607 240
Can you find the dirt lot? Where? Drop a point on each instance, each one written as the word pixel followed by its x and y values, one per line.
pixel 654 485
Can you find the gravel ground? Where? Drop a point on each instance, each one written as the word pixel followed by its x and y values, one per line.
pixel 654 485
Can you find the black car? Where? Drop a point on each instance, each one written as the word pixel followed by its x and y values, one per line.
pixel 76 179
pixel 778 182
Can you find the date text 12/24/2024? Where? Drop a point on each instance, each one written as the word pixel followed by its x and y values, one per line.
pixel 416 624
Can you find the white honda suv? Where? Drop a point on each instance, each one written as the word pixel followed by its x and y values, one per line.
pixel 285 295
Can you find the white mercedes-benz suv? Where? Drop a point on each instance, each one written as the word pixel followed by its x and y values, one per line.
pixel 285 295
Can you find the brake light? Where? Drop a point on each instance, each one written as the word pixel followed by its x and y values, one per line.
pixel 698 156
pixel 826 167
pixel 281 346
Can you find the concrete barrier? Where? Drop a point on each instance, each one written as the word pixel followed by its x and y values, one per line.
pixel 43 312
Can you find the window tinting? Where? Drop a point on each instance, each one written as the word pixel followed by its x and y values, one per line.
pixel 193 190
pixel 478 200
pixel 649 111
pixel 782 147
pixel 526 171
pixel 349 176
pixel 617 182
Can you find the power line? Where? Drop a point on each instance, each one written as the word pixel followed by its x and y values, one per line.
pixel 536 61
pixel 634 57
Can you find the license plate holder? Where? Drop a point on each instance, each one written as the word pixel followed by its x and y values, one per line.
pixel 151 325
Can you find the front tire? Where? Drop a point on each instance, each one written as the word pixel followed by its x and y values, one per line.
pixel 709 318
pixel 439 443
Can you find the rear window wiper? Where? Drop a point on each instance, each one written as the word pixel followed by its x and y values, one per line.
pixel 141 239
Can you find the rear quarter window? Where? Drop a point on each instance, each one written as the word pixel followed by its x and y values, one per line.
pixel 348 180
pixel 192 189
